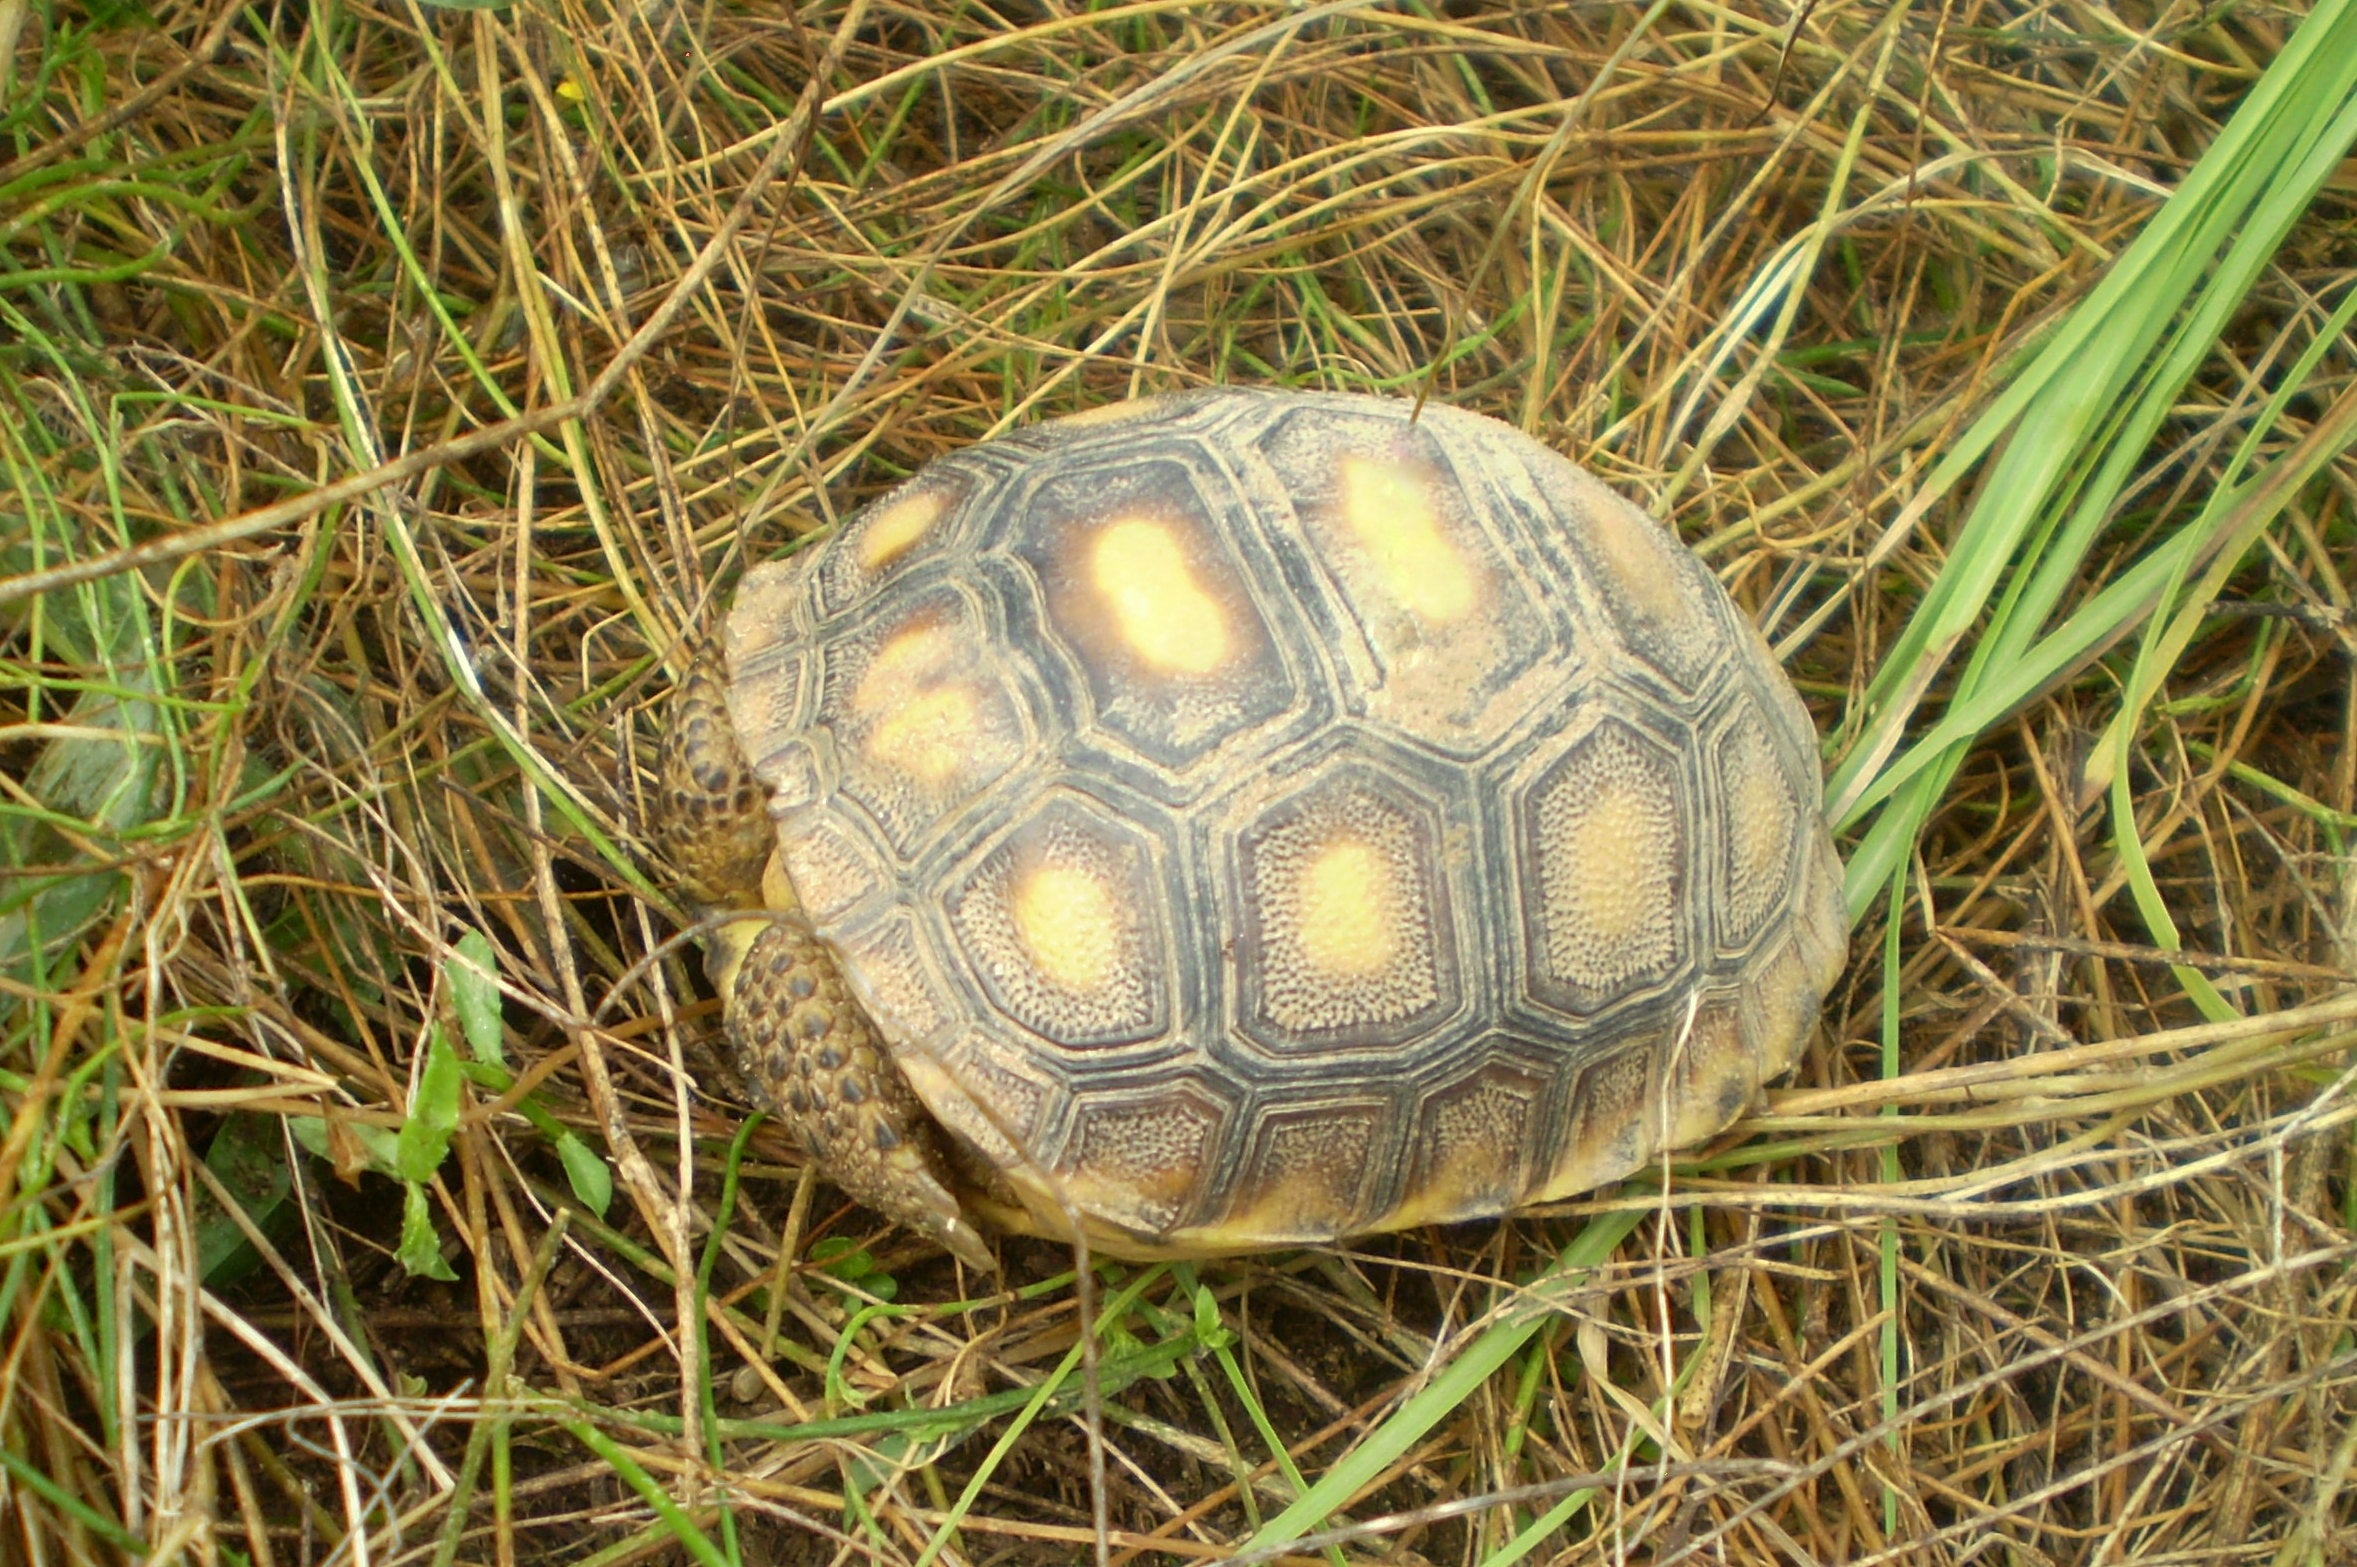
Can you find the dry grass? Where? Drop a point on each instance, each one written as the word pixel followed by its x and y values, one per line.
pixel 2044 1256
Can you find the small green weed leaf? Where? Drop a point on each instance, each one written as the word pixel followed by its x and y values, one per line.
pixel 490 1078
pixel 99 775
pixel 891 1457
pixel 473 972
pixel 433 1113
pixel 248 1157
pixel 1206 1314
pixel 349 1145
pixel 311 1132
pixel 841 1256
pixel 116 15
pixel 420 1251
pixel 1125 1345
pixel 585 1172
pixel 592 1181
pixel 95 779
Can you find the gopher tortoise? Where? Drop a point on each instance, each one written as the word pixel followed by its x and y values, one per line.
pixel 1243 819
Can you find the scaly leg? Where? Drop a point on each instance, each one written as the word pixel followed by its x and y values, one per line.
pixel 801 1036
pixel 714 828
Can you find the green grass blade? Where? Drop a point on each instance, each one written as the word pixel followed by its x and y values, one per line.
pixel 2072 442
pixel 1440 1398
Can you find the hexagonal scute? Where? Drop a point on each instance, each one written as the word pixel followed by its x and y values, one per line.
pixel 1345 925
pixel 887 537
pixel 1783 992
pixel 1308 1175
pixel 1065 925
pixel 921 714
pixel 1712 1072
pixel 1155 408
pixel 892 972
pixel 1147 594
pixel 1475 1145
pixel 1665 603
pixel 1759 812
pixel 1607 1104
pixel 1603 835
pixel 765 642
pixel 1455 636
pixel 1145 1162
pixel 993 1105
pixel 1821 912
pixel 765 702
pixel 831 864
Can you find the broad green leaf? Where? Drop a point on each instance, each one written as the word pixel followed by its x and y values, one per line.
pixel 248 1157
pixel 585 1172
pixel 473 972
pixel 420 1251
pixel 92 781
pixel 378 1147
pixel 433 1113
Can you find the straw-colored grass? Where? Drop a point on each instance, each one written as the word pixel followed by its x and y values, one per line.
pixel 388 393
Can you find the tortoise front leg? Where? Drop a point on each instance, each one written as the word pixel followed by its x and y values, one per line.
pixel 714 828
pixel 802 1038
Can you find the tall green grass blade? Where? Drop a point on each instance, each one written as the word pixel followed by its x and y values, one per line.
pixel 672 1518
pixel 1440 1398
pixel 30 1475
pixel 1541 1529
pixel 2167 636
pixel 2068 436
pixel 1887 1241
pixel 2074 425
pixel 1115 1309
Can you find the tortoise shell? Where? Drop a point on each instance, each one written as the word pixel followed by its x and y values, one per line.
pixel 1255 818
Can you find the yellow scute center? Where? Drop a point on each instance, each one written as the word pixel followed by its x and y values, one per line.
pixel 891 531
pixel 1763 821
pixel 929 735
pixel 1389 509
pixel 1345 910
pixel 1159 605
pixel 1105 413
pixel 1613 897
pixel 1068 923
pixel 1637 552
pixel 923 725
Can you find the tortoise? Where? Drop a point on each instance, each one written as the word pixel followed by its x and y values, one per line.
pixel 1240 819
